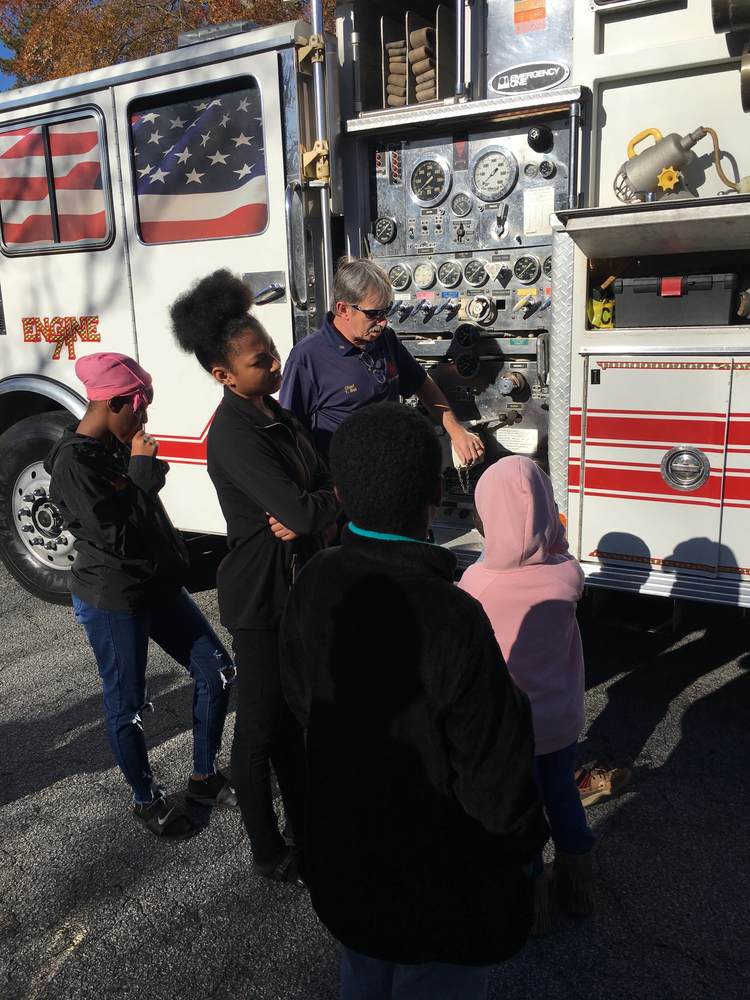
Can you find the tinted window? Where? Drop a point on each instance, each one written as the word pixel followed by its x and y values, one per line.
pixel 199 164
pixel 51 187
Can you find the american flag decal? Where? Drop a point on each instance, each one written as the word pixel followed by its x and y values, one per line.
pixel 76 184
pixel 200 167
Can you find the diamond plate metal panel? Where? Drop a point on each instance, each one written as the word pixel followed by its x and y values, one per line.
pixel 561 334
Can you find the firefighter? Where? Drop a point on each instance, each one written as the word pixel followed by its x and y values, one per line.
pixel 127 585
pixel 355 359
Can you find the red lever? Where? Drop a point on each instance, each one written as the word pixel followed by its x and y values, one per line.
pixel 670 288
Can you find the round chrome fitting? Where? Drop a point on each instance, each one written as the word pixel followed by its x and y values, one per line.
pixel 685 469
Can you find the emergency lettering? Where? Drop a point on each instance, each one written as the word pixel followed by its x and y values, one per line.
pixel 62 331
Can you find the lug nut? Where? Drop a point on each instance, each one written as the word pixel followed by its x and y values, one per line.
pixel 50 545
pixel 29 498
pixel 36 541
pixel 39 492
pixel 62 540
pixel 27 527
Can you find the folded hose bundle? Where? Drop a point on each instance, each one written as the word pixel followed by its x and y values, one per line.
pixel 421 37
pixel 417 55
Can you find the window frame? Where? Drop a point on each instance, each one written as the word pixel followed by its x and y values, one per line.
pixel 56 118
pixel 143 103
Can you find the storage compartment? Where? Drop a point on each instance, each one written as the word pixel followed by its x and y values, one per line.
pixel 679 300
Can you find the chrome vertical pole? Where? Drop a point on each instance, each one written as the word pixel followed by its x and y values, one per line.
pixel 460 90
pixel 321 135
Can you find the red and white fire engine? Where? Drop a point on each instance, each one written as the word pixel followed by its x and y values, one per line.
pixel 558 195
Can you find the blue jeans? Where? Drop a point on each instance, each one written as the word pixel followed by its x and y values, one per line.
pixel 364 978
pixel 555 777
pixel 119 640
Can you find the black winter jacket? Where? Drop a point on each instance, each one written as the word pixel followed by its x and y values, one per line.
pixel 128 552
pixel 261 466
pixel 421 813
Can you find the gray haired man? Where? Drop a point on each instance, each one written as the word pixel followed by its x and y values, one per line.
pixel 355 359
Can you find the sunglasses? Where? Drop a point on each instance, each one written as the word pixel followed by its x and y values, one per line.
pixel 376 314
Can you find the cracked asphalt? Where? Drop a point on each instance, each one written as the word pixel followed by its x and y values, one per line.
pixel 93 907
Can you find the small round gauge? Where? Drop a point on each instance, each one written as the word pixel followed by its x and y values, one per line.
pixel 399 277
pixel 494 173
pixel 527 269
pixel 475 273
pixel 430 181
pixel 424 275
pixel 384 230
pixel 547 266
pixel 449 273
pixel 461 204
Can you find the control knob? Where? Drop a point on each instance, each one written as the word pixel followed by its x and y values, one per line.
pixel 540 138
pixel 510 382
pixel 481 309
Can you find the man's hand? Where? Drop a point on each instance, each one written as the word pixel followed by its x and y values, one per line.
pixel 467 446
pixel 282 533
pixel 144 444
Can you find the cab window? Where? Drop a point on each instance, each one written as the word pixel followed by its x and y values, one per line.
pixel 198 163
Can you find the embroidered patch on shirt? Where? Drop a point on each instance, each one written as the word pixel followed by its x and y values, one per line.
pixel 348 389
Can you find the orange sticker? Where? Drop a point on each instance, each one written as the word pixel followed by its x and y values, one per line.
pixel 529 15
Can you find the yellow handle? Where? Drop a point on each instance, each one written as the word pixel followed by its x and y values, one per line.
pixel 640 137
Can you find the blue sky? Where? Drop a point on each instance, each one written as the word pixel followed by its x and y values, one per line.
pixel 5 80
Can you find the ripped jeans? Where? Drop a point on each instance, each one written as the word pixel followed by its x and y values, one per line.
pixel 119 640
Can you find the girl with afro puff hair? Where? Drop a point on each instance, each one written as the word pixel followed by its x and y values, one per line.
pixel 278 499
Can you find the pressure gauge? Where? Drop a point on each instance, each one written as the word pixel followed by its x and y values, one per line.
pixel 449 273
pixel 461 204
pixel 547 266
pixel 430 181
pixel 475 273
pixel 399 277
pixel 527 269
pixel 494 173
pixel 384 230
pixel 424 275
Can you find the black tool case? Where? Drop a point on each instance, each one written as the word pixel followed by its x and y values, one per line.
pixel 686 300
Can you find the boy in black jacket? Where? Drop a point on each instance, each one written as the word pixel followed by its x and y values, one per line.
pixel 127 584
pixel 422 814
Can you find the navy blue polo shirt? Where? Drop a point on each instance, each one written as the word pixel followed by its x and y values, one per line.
pixel 326 378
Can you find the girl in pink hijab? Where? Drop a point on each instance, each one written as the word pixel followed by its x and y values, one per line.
pixel 529 585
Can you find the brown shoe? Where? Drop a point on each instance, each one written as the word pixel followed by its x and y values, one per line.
pixel 574 883
pixel 597 783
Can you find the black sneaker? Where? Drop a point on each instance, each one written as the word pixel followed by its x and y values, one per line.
pixel 165 820
pixel 213 791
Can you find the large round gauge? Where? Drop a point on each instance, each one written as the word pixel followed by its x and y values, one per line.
pixel 449 273
pixel 430 181
pixel 384 230
pixel 399 277
pixel 547 266
pixel 424 275
pixel 494 173
pixel 527 269
pixel 475 273
pixel 461 204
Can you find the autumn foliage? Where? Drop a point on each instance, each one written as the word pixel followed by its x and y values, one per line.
pixel 54 38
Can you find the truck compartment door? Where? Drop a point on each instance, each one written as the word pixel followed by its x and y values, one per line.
pixel 651 472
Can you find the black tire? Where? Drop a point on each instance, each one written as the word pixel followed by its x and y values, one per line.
pixel 22 445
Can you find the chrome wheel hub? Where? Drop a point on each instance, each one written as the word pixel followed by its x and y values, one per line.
pixel 38 520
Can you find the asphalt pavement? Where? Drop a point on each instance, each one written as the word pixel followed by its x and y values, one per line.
pixel 94 908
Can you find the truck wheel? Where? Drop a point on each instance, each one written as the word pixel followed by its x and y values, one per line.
pixel 36 549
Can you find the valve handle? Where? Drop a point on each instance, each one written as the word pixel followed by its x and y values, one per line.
pixel 640 137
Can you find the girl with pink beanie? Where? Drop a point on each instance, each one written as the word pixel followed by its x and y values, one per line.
pixel 529 585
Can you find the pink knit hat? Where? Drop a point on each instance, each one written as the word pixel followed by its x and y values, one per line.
pixel 108 374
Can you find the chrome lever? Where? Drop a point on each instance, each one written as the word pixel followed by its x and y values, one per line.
pixel 270 293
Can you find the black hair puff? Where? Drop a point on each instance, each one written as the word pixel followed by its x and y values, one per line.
pixel 210 314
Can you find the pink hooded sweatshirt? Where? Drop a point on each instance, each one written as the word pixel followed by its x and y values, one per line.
pixel 529 585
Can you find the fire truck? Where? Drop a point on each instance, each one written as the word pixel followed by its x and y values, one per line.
pixel 558 193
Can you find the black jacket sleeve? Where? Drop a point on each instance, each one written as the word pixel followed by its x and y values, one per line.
pixel 491 746
pixel 259 473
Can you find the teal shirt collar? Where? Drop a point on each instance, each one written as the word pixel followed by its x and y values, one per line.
pixel 383 536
